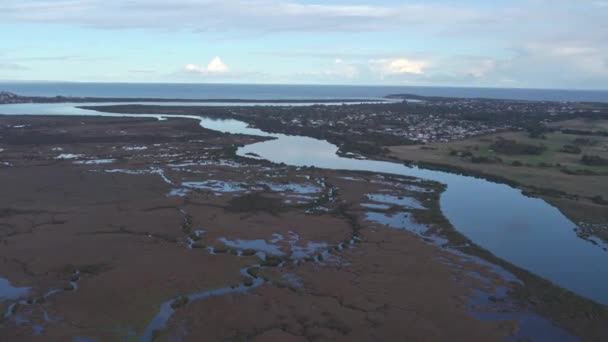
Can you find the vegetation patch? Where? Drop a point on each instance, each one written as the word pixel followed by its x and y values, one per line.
pixel 512 147
pixel 253 271
pixel 572 149
pixel 272 261
pixel 93 269
pixel 248 282
pixel 248 252
pixel 179 302
pixel 198 245
pixel 220 249
pixel 594 160
pixel 255 202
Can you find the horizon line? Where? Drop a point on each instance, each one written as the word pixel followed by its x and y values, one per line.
pixel 310 84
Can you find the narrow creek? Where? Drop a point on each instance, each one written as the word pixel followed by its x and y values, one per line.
pixel 525 231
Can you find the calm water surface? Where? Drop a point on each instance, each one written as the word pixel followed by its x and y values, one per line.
pixel 527 232
pixel 278 91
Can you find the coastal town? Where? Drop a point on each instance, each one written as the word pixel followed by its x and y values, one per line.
pixel 393 121
pixel 408 119
pixel 399 120
pixel 8 98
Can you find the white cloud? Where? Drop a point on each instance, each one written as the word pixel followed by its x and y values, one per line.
pixel 215 66
pixel 397 66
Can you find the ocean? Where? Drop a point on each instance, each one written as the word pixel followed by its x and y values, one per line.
pixel 281 92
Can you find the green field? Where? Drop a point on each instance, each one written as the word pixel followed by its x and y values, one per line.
pixel 559 177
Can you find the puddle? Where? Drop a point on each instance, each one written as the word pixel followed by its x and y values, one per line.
pixel 66 156
pixel 226 163
pixel 95 162
pixel 257 245
pixel 296 188
pixel 150 171
pixel 14 313
pixel 302 252
pixel 375 206
pixel 531 327
pixel 7 291
pixel 403 185
pixel 292 280
pixel 135 148
pixel 406 202
pixel 399 221
pixel 352 179
pixel 215 186
pixel 178 192
pixel 166 311
pixel 296 251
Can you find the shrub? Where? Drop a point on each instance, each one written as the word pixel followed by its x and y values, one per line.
pixel 272 261
pixel 198 244
pixel 512 147
pixel 248 282
pixel 572 149
pixel 584 142
pixel 248 252
pixel 253 271
pixel 255 202
pixel 179 302
pixel 220 249
pixel 485 160
pixel 594 160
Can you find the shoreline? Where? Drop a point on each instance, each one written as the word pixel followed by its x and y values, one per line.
pixel 10 98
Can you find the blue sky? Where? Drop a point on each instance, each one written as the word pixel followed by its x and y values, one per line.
pixel 517 43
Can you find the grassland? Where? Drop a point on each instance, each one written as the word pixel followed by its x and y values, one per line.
pixel 577 189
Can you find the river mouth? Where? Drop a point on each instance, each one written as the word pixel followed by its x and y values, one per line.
pixel 526 232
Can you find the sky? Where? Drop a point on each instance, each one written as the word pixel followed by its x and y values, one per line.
pixel 516 44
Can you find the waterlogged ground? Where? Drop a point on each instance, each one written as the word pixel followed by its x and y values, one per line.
pixel 119 229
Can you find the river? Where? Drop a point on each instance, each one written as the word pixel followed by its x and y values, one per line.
pixel 524 231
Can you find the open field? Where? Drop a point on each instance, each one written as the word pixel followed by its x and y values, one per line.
pixel 582 124
pixel 559 176
pixel 544 170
